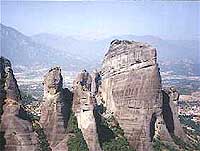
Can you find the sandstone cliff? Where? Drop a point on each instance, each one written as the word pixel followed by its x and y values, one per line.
pixel 16 130
pixel 55 110
pixel 83 106
pixel 170 113
pixel 132 91
pixel 123 101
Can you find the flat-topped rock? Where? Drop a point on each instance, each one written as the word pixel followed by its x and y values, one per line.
pixel 132 91
pixel 124 56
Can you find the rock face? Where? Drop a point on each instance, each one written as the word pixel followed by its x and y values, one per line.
pixel 132 91
pixel 83 106
pixel 54 110
pixel 15 128
pixel 3 64
pixel 170 113
pixel 128 85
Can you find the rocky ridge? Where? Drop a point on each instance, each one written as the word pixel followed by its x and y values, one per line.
pixel 126 95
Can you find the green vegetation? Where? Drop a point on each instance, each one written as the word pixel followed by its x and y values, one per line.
pixel 194 133
pixel 190 145
pixel 43 142
pixel 117 144
pixel 194 139
pixel 160 146
pixel 76 141
pixel 26 115
pixel 2 141
pixel 187 121
pixel 111 136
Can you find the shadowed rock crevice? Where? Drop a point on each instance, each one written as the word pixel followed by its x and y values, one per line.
pixel 167 113
pixel 170 113
pixel 23 114
pixel 2 141
pixel 66 105
pixel 105 134
pixel 152 126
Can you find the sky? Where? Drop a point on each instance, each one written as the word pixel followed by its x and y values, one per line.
pixel 165 19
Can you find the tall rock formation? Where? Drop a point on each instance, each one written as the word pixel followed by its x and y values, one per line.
pixel 55 110
pixel 132 91
pixel 15 128
pixel 83 106
pixel 170 113
pixel 127 91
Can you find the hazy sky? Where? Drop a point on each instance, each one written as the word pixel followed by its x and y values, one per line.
pixel 167 19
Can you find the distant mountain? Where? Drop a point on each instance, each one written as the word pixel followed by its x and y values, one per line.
pixel 167 49
pixel 90 50
pixel 77 53
pixel 180 56
pixel 53 40
pixel 22 50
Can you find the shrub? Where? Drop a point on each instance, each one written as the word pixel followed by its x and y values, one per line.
pixel 111 136
pixel 42 140
pixel 76 141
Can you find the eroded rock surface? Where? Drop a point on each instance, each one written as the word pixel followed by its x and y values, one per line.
pixel 15 128
pixel 170 113
pixel 55 110
pixel 132 91
pixel 83 106
pixel 128 86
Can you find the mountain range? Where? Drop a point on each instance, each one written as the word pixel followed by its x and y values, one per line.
pixel 74 53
